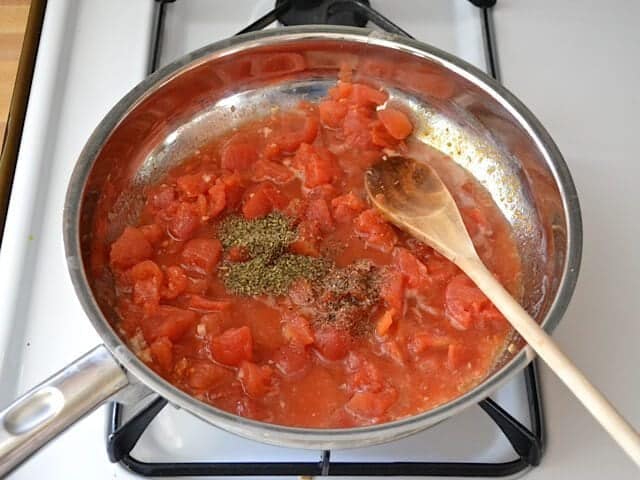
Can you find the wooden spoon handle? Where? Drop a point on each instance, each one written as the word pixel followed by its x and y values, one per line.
pixel 603 411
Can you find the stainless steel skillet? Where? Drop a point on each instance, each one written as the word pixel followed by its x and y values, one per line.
pixel 457 108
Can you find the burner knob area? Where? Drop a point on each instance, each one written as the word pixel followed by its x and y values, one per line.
pixel 322 12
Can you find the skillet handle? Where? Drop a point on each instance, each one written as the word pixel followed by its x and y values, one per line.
pixel 58 402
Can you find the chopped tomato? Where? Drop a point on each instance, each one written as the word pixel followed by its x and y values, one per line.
pixel 333 344
pixel 238 155
pixel 364 376
pixel 130 248
pixel 233 346
pixel 175 282
pixel 392 291
pixel 381 137
pixel 168 321
pixel 365 95
pixel 466 306
pixel 378 233
pixel 267 170
pixel 153 233
pixel 425 341
pixel 233 189
pixel 262 200
pixel 183 222
pixel 194 184
pixel 204 375
pixel 318 165
pixel 291 140
pixel 318 212
pixel 396 122
pixel 384 322
pixel 414 270
pixel 342 90
pixel 296 330
pixel 201 255
pixel 370 404
pixel 162 353
pixel 217 199
pixel 332 113
pixel 307 241
pixel 147 281
pixel 203 304
pixel 210 325
pixel 256 380
pixel 292 359
pixel 356 127
pixel 347 207
pixel 161 197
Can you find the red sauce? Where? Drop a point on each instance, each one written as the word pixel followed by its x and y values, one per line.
pixel 428 335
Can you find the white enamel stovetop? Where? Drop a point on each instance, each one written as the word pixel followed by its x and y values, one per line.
pixel 575 64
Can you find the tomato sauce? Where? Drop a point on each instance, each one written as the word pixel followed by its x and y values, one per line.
pixel 425 335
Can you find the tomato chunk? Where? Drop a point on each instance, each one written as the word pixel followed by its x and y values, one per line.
pixel 364 376
pixel 238 155
pixel 130 248
pixel 201 255
pixel 147 282
pixel 296 330
pixel 370 404
pixel 318 213
pixel 267 170
pixel 392 291
pixel 183 221
pixel 466 306
pixel 378 233
pixel 365 95
pixel 233 346
pixel 347 207
pixel 384 322
pixel 203 304
pixel 396 122
pixel 332 113
pixel 153 233
pixel 256 379
pixel 292 359
pixel 414 270
pixel 217 199
pixel 333 344
pixel 204 375
pixel 423 342
pixel 175 282
pixel 162 353
pixel 168 321
pixel 194 184
pixel 262 200
pixel 356 128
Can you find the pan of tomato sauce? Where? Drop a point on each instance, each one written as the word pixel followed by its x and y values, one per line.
pixel 220 241
pixel 259 279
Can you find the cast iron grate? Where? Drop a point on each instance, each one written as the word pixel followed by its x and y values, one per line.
pixel 528 443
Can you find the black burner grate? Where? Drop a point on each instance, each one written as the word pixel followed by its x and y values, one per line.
pixel 527 443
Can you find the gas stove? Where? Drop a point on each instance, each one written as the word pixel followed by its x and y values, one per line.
pixel 90 54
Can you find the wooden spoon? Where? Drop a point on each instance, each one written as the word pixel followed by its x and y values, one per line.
pixel 413 197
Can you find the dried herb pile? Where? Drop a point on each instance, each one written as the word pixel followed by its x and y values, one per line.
pixel 269 269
